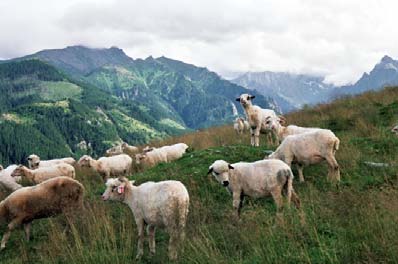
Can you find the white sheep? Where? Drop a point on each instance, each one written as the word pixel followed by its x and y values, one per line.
pixel 310 148
pixel 395 130
pixel 163 204
pixel 34 162
pixel 113 151
pixel 277 125
pixel 44 173
pixel 153 156
pixel 119 165
pixel 7 182
pixel 128 149
pixel 49 198
pixel 255 179
pixel 256 117
pixel 241 125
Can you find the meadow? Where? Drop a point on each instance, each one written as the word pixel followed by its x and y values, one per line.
pixel 353 222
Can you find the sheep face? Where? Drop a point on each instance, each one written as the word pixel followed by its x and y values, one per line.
pixel 139 158
pixel 33 161
pixel 115 189
pixel 220 170
pixel 84 161
pixel 245 99
pixel 395 130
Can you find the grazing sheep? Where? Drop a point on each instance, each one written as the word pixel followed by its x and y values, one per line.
pixel 49 198
pixel 241 125
pixel 256 117
pixel 256 179
pixel 152 156
pixel 281 132
pixel 395 130
pixel 310 148
pixel 34 162
pixel 163 204
pixel 119 165
pixel 44 173
pixel 7 182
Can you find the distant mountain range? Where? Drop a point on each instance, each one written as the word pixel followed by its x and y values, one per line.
pixel 292 91
pixel 81 100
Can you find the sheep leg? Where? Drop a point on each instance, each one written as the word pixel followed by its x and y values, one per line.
pixel 277 195
pixel 237 202
pixel 300 168
pixel 151 233
pixel 27 227
pixel 140 244
pixel 257 137
pixel 252 141
pixel 334 171
pixel 295 199
pixel 173 244
pixel 11 226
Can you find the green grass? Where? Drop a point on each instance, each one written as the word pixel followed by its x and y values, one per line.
pixel 354 222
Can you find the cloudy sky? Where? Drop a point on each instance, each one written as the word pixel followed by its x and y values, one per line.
pixel 339 39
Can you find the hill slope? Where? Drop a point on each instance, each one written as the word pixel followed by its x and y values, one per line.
pixel 180 93
pixel 355 223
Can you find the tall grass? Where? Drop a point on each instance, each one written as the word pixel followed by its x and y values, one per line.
pixel 354 223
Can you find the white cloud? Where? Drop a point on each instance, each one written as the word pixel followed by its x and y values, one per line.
pixel 339 39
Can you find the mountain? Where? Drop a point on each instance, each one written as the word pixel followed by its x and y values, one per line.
pixel 290 91
pixel 385 73
pixel 175 92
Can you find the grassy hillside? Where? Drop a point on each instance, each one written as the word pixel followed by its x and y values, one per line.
pixel 354 223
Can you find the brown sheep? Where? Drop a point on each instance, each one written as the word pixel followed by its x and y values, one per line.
pixel 49 198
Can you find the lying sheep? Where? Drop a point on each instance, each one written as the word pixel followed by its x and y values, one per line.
pixel 281 132
pixel 256 117
pixel 162 204
pixel 310 148
pixel 113 151
pixel 154 156
pixel 34 162
pixel 44 173
pixel 119 165
pixel 7 182
pixel 49 198
pixel 256 179
pixel 241 125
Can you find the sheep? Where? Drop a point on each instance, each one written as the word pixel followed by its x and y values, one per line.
pixel 241 125
pixel 119 165
pixel 256 117
pixel 153 156
pixel 310 148
pixel 49 198
pixel 161 204
pixel 34 162
pixel 7 182
pixel 113 151
pixel 129 150
pixel 395 130
pixel 276 124
pixel 255 179
pixel 44 173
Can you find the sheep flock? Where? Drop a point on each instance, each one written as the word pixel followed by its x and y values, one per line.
pixel 54 190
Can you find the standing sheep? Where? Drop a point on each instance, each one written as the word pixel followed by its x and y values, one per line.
pixel 129 150
pixel 241 125
pixel 49 198
pixel 257 179
pixel 310 148
pixel 256 117
pixel 44 173
pixel 119 165
pixel 34 162
pixel 162 204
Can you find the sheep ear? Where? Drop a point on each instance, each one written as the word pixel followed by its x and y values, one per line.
pixel 210 170
pixel 122 179
pixel 230 167
pixel 252 96
pixel 282 120
pixel 238 99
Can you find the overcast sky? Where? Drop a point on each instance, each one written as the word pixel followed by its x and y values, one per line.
pixel 339 39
